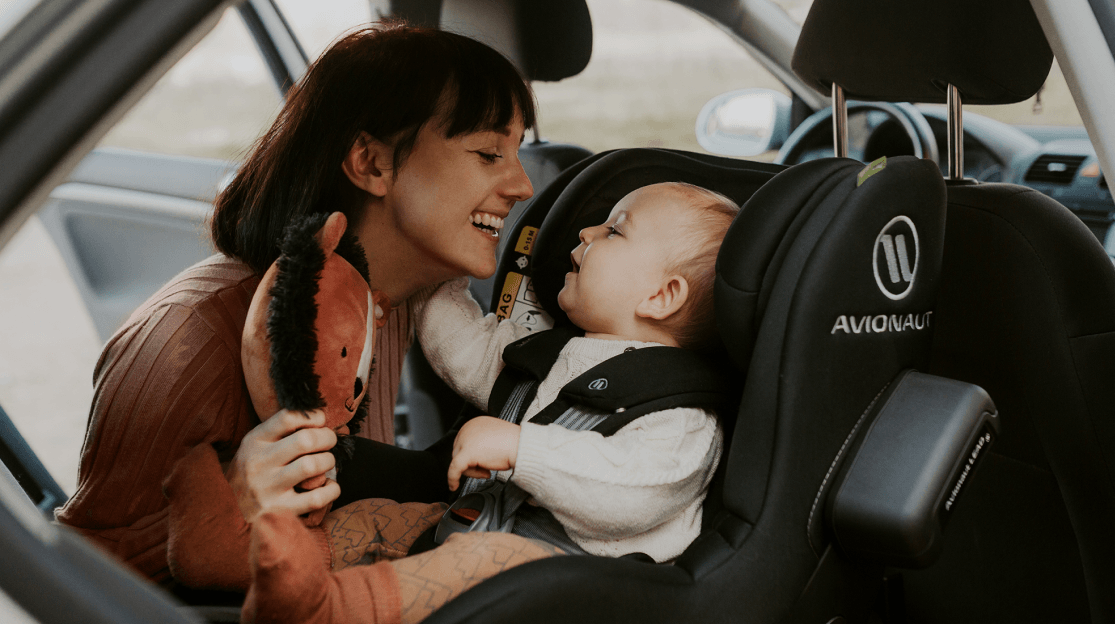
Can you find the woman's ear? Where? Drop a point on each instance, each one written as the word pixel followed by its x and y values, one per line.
pixel 665 301
pixel 368 165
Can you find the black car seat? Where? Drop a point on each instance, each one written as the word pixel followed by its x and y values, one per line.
pixel 548 41
pixel 1026 309
pixel 796 264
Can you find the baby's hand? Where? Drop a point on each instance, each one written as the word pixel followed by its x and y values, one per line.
pixel 483 444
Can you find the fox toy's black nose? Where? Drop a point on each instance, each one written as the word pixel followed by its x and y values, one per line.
pixel 358 389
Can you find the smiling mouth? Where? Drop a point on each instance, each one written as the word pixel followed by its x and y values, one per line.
pixel 487 223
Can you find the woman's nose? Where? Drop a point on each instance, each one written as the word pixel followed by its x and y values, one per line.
pixel 518 186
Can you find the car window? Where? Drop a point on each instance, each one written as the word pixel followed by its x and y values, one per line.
pixel 317 24
pixel 213 103
pixel 654 65
pixel 11 11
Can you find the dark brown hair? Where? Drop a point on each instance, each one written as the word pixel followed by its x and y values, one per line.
pixel 387 80
pixel 694 325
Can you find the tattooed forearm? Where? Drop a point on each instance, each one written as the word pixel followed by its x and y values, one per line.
pixel 429 580
pixel 377 529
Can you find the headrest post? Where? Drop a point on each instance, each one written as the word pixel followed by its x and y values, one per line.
pixel 956 134
pixel 839 122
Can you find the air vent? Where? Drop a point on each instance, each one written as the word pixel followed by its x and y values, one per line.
pixel 1054 169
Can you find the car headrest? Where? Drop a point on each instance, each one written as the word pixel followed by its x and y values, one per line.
pixel 993 51
pixel 582 196
pixel 547 41
pixel 883 213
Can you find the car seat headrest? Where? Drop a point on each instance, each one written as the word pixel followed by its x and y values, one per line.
pixel 881 211
pixel 588 197
pixel 547 41
pixel 993 51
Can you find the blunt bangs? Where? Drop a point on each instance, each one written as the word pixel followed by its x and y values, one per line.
pixel 386 79
pixel 489 93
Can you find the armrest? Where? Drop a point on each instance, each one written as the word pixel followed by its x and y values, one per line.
pixel 893 497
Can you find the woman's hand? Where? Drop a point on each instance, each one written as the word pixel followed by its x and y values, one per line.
pixel 281 452
pixel 483 444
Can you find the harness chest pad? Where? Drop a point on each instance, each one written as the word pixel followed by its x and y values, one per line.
pixel 625 387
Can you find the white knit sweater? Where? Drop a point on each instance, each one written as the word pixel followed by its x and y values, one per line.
pixel 638 490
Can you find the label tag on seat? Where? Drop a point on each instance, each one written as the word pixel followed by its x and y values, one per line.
pixel 517 300
pixel 875 167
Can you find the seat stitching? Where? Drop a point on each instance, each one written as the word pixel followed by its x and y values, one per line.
pixel 832 467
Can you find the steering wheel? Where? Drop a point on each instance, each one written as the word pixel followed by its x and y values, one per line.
pixel 905 120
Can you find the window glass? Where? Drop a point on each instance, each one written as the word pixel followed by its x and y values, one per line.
pixel 654 65
pixel 317 24
pixel 213 103
pixel 11 11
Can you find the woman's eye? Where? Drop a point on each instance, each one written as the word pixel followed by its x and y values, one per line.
pixel 488 157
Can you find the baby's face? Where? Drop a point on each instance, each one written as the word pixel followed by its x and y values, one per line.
pixel 623 260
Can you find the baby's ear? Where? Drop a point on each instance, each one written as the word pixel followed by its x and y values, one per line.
pixel 668 299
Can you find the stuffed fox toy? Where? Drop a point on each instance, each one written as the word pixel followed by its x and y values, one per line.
pixel 308 344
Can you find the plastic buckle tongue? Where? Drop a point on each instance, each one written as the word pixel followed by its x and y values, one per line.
pixel 479 511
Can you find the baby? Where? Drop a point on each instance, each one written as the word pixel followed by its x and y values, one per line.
pixel 643 278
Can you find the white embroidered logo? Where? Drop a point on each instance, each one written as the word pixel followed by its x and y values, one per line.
pixel 598 384
pixel 895 269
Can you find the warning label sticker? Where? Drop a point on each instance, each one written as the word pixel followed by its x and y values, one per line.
pixel 518 302
pixel 525 244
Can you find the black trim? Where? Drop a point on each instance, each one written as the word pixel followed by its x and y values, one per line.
pixel 25 466
pixel 1105 17
pixel 267 48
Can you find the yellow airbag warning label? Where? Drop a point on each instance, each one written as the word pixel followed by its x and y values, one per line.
pixel 525 243
pixel 507 295
pixel 518 302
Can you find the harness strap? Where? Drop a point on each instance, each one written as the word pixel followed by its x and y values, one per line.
pixel 513 409
pixel 604 399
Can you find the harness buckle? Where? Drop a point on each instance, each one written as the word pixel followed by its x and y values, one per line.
pixel 483 508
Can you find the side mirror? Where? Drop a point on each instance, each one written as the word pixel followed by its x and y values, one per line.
pixel 746 122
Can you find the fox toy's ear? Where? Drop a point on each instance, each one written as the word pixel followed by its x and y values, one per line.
pixel 331 233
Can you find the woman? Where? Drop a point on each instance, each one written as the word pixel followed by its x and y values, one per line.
pixel 414 135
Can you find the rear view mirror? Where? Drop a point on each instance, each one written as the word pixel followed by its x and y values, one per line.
pixel 746 122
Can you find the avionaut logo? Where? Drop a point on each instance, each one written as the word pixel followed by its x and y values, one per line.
pixel 895 258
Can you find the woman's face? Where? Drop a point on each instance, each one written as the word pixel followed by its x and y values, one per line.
pixel 451 195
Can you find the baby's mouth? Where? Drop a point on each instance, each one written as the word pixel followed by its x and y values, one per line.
pixel 487 222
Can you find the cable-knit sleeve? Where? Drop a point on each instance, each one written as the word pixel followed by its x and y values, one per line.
pixel 463 345
pixel 608 488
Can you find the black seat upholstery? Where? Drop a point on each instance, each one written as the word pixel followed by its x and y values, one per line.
pixel 798 259
pixel 1026 310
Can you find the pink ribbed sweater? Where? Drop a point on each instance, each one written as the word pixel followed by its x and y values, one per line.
pixel 171 379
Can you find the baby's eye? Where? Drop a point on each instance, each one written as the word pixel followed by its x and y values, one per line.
pixel 612 231
pixel 488 157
